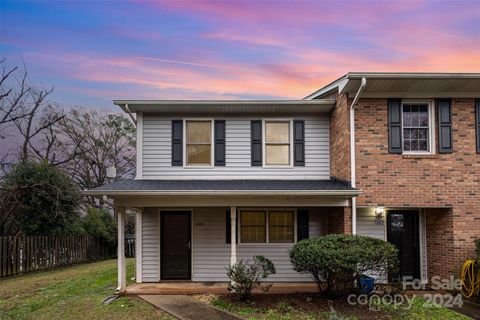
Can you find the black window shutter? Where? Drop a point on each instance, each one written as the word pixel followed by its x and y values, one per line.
pixel 302 224
pixel 394 126
pixel 477 122
pixel 228 227
pixel 219 135
pixel 177 142
pixel 299 142
pixel 256 136
pixel 445 141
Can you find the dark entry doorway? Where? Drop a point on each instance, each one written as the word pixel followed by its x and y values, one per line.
pixel 176 245
pixel 403 232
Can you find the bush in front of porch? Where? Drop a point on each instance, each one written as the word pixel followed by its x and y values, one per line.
pixel 337 261
pixel 248 274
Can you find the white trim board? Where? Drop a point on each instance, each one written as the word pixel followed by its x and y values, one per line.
pixel 139 146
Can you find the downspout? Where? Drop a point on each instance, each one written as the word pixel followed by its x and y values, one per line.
pixel 352 152
pixel 127 110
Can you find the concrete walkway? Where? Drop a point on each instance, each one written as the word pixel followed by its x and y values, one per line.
pixel 470 309
pixel 187 308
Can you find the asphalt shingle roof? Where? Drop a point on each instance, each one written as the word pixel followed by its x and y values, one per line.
pixel 224 185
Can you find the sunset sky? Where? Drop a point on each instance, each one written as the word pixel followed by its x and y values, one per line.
pixel 92 52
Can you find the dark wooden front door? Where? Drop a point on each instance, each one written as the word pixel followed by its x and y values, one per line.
pixel 175 240
pixel 402 231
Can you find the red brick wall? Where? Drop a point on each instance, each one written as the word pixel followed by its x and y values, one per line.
pixel 340 140
pixel 440 242
pixel 339 220
pixel 394 180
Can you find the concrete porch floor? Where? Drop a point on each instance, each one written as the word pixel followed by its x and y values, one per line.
pixel 185 288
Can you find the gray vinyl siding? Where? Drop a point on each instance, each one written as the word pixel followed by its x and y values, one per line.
pixel 151 245
pixel 211 254
pixel 366 225
pixel 156 153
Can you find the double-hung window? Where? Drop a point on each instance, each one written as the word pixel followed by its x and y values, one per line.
pixel 278 144
pixel 198 144
pixel 417 128
pixel 262 226
pixel 253 226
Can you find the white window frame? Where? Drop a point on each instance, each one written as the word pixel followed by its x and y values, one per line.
pixel 264 132
pixel 431 125
pixel 212 142
pixel 267 226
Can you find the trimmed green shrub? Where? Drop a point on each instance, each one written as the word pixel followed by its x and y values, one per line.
pixel 248 274
pixel 337 262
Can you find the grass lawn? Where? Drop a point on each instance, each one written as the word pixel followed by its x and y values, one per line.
pixel 72 293
pixel 312 307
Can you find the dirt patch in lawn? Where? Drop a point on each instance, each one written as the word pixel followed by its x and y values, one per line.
pixel 292 306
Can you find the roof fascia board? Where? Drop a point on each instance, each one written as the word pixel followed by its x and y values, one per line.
pixel 122 103
pixel 336 85
pixel 411 75
pixel 416 95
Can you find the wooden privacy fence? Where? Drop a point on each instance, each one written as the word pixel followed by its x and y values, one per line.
pixel 26 254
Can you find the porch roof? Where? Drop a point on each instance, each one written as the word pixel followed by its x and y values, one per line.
pixel 224 187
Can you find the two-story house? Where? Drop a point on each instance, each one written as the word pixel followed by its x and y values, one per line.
pixel 393 156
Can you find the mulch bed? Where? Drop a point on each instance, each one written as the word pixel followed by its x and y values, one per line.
pixel 307 302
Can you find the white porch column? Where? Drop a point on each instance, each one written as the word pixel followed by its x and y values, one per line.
pixel 233 235
pixel 138 245
pixel 122 268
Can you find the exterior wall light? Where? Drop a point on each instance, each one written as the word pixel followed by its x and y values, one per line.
pixel 379 214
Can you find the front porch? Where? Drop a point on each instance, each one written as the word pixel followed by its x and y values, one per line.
pixel 194 245
pixel 191 230
pixel 188 288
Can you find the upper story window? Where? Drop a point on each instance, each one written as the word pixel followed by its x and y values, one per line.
pixel 278 143
pixel 198 144
pixel 417 127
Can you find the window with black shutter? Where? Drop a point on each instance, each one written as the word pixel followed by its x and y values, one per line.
pixel 394 126
pixel 219 142
pixel 299 142
pixel 256 141
pixel 445 142
pixel 302 224
pixel 177 142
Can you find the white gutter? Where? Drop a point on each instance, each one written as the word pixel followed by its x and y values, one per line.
pixel 352 152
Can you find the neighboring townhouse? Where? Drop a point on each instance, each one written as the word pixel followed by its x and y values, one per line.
pixel 416 162
pixel 219 181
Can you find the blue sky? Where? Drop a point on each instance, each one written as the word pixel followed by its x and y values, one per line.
pixel 94 51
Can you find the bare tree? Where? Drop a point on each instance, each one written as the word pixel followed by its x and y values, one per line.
pixel 101 140
pixel 14 90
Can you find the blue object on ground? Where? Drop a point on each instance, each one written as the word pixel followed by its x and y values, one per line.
pixel 366 284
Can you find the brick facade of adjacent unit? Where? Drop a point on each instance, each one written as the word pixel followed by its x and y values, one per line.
pixel 340 140
pixel 339 220
pixel 440 180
